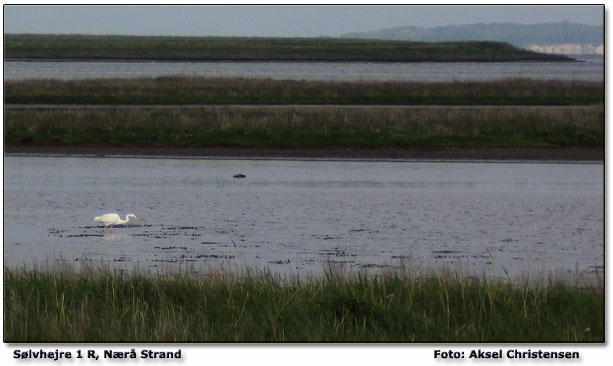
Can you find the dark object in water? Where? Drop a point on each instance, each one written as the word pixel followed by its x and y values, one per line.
pixel 239 176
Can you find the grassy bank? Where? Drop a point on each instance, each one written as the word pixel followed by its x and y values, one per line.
pixel 103 307
pixel 576 120
pixel 89 47
pixel 199 90
pixel 296 126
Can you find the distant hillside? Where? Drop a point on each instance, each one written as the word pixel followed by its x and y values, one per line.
pixel 542 37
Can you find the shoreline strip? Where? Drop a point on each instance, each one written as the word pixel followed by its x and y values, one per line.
pixel 566 154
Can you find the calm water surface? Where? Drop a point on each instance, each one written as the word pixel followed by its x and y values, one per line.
pixel 591 70
pixel 299 216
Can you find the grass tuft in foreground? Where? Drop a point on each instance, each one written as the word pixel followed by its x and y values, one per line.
pixel 100 306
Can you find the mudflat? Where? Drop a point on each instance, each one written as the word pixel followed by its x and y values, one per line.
pixel 439 153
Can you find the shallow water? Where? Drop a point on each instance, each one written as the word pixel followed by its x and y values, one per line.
pixel 300 216
pixel 590 70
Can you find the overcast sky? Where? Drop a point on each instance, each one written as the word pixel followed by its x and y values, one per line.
pixel 258 20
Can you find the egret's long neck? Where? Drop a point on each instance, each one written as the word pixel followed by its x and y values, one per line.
pixel 124 221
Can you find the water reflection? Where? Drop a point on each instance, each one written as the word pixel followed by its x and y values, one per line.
pixel 111 237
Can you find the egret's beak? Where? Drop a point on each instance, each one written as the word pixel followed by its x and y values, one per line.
pixel 137 219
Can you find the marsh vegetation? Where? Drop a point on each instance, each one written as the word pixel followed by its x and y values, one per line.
pixel 101 306
pixel 282 114
pixel 90 47
pixel 201 90
pixel 296 126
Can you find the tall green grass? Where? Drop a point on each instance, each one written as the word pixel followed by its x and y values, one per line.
pixel 296 126
pixel 199 90
pixel 102 306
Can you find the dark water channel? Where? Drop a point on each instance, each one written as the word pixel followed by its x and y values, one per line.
pixel 298 217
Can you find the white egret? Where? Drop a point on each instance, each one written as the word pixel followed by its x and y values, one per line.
pixel 111 219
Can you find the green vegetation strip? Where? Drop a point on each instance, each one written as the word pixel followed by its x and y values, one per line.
pixel 103 307
pixel 89 47
pixel 199 90
pixel 296 126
